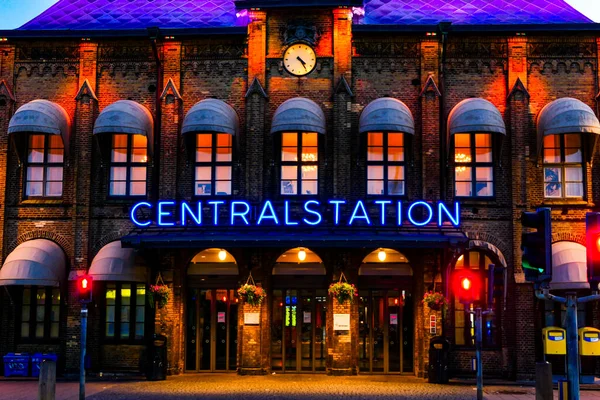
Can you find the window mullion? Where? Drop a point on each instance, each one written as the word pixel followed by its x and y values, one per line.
pixel 117 336
pixel 300 163
pixel 213 166
pixel 32 310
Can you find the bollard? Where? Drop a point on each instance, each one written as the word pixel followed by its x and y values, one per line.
pixel 543 381
pixel 47 381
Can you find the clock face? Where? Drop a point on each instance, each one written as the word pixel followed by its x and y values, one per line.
pixel 299 59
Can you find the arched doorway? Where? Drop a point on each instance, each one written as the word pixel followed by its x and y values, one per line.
pixel 385 312
pixel 298 310
pixel 212 312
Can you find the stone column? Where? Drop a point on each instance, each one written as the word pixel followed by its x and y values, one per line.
pixel 339 342
pixel 430 138
pixel 250 360
pixel 169 143
pixel 517 60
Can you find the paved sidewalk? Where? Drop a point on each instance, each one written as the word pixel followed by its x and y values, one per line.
pixel 273 387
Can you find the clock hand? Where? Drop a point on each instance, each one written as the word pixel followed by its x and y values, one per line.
pixel 301 61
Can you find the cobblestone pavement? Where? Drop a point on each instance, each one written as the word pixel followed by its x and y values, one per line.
pixel 273 387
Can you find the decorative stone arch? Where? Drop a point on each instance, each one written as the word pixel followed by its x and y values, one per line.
pixel 494 243
pixel 60 240
pixel 106 239
pixel 568 237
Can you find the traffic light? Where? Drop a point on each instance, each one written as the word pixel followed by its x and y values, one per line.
pixel 537 246
pixel 467 286
pixel 592 236
pixel 84 289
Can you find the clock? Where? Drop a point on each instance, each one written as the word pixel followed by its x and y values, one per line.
pixel 299 59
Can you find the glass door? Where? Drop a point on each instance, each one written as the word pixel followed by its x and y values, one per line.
pixel 298 330
pixel 385 343
pixel 211 330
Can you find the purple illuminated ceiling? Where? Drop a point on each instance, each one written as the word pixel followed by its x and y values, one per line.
pixel 141 14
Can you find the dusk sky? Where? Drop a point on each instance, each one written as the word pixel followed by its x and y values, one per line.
pixel 14 13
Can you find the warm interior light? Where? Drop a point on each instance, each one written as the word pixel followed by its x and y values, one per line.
pixel 224 299
pixel 466 283
pixel 222 255
pixel 381 255
pixel 302 255
pixel 598 243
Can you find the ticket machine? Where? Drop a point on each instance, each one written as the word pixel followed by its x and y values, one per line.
pixel 555 340
pixel 589 347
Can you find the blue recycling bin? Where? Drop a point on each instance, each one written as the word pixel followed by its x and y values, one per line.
pixel 16 364
pixel 36 362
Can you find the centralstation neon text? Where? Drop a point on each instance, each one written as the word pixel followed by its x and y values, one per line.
pixel 308 213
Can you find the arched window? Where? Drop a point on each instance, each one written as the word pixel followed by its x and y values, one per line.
pixel 299 163
pixel 45 162
pixel 563 166
pixel 385 163
pixel 464 322
pixel 128 165
pixel 213 164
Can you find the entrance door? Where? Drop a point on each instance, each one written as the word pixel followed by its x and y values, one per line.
pixel 298 330
pixel 211 337
pixel 385 331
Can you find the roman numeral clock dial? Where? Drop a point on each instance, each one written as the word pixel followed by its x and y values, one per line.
pixel 299 59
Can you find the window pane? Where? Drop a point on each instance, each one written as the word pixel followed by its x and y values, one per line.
pixel 396 154
pixel 138 173
pixel 483 140
pixel 126 295
pixel 484 189
pixel 289 172
pixel 111 294
pixel 54 174
pixel 395 172
pixel 203 154
pixel 375 172
pixel 484 174
pixel 139 330
pixel 35 173
pixel 118 173
pixel 573 174
pixel 289 186
pixel 375 187
pixel 310 187
pixel 39 331
pixel 483 154
pixel 552 141
pixel 310 172
pixel 140 141
pixel 462 155
pixel 573 140
pixel 124 328
pixel 119 141
pixel 289 154
pixel 375 154
pixel 137 188
pixel 117 189
pixel 224 140
pixel 223 173
pixel 34 189
pixel 224 154
pixel 139 155
pixel 573 154
pixel 310 139
pixel 110 330
pixel 40 313
pixel 289 139
pixel 203 188
pixel 223 188
pixel 55 314
pixel 553 190
pixel 310 154
pixel 140 295
pixel 463 189
pixel 551 155
pixel 574 189
pixel 54 330
pixel 119 155
pixel 203 173
pixel 463 174
pixel 395 139
pixel 41 296
pixel 55 142
pixel 55 155
pixel 54 188
pixel 462 140
pixel 375 139
pixel 36 141
pixel 204 140
pixel 24 330
pixel 396 188
pixel 36 155
pixel 25 313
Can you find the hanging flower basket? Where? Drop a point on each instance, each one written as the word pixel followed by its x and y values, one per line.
pixel 159 293
pixel 343 291
pixel 435 300
pixel 250 293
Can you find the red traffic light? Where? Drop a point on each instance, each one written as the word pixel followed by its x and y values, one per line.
pixel 84 289
pixel 466 286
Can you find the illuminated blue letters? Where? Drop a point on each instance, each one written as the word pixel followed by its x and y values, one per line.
pixel 134 209
pixel 336 212
pixel 238 214
pixel 287 214
pixel 454 220
pixel 216 208
pixel 420 203
pixel 262 216
pixel 359 204
pixel 308 210
pixel 186 209
pixel 383 204
pixel 162 213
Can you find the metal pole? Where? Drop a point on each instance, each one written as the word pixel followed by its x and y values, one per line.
pixel 478 340
pixel 572 347
pixel 84 314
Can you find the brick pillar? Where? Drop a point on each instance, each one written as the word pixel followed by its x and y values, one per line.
pixel 340 358
pixel 170 122
pixel 7 104
pixel 430 127
pixel 249 335
pixel 517 61
pixel 342 44
pixel 257 45
pixel 342 140
pixel 256 100
pixel 7 62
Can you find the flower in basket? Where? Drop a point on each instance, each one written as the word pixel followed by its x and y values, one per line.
pixel 343 291
pixel 252 294
pixel 160 294
pixel 435 300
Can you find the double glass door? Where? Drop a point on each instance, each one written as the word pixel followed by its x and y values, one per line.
pixel 211 330
pixel 385 343
pixel 298 330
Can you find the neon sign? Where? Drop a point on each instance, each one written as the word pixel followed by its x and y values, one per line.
pixel 169 213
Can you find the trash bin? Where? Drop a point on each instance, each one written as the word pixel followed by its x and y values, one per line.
pixel 16 364
pixel 157 358
pixel 438 360
pixel 36 362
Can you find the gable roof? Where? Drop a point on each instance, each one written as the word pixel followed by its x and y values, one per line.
pixel 181 14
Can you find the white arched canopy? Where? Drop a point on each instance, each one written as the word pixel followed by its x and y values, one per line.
pixel 299 115
pixel 299 261
pixel 115 263
pixel 39 262
pixel 126 116
pixel 385 262
pixel 475 115
pixel 569 266
pixel 211 115
pixel 42 116
pixel 213 261
pixel 386 114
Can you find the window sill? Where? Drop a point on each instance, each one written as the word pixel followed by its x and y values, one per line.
pixel 44 201
pixel 567 202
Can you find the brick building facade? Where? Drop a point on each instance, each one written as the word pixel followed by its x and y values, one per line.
pixel 207 109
